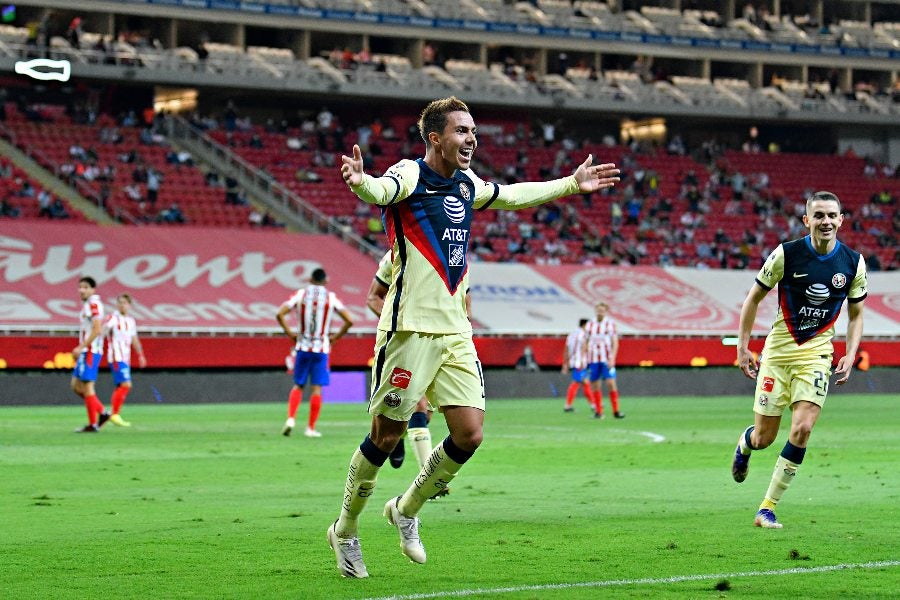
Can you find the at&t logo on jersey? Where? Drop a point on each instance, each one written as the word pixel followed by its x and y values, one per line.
pixel 454 208
pixel 400 378
pixel 457 255
pixel 817 293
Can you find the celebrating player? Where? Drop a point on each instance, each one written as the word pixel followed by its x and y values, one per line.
pixel 814 275
pixel 314 306
pixel 120 330
pixel 424 341
pixel 88 353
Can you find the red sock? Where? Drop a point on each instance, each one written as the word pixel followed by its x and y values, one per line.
pixel 98 406
pixel 91 411
pixel 598 401
pixel 589 395
pixel 118 398
pixel 315 405
pixel 614 400
pixel 570 394
pixel 294 399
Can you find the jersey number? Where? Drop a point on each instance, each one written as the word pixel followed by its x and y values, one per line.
pixel 820 383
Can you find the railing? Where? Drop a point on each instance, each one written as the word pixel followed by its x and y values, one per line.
pixel 268 186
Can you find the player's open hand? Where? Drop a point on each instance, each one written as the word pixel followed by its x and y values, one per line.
pixel 747 362
pixel 592 178
pixel 352 167
pixel 843 368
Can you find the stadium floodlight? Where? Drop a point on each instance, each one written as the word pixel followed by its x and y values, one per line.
pixel 59 70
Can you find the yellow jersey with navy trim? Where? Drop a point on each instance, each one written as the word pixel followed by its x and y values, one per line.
pixel 428 219
pixel 812 288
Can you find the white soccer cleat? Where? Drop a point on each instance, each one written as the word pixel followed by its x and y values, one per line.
pixel 348 553
pixel 311 433
pixel 288 427
pixel 410 544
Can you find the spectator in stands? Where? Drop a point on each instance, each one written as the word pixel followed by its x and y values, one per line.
pixel 133 191
pixel 58 210
pixel 154 181
pixel 8 210
pixel 231 189
pixel 172 214
pixel 73 33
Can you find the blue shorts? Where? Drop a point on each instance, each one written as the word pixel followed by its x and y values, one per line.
pixel 87 366
pixel 121 372
pixel 600 370
pixel 313 365
pixel 578 375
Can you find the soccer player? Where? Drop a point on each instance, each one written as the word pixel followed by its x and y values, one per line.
pixel 814 274
pixel 88 353
pixel 603 347
pixel 424 340
pixel 120 331
pixel 417 429
pixel 575 362
pixel 315 306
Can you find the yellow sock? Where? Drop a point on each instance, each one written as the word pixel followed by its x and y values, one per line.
pixel 360 482
pixel 437 473
pixel 421 443
pixel 782 477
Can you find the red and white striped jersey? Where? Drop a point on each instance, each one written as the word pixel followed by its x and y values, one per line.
pixel 577 348
pixel 90 310
pixel 119 331
pixel 600 342
pixel 315 306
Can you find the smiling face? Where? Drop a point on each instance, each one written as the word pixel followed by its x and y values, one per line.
pixel 823 218
pixel 453 147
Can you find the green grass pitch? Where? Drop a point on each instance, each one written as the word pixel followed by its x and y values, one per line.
pixel 210 501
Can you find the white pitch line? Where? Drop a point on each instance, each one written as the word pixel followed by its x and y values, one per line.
pixel 654 437
pixel 644 581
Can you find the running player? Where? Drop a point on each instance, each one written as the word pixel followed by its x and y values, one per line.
pixel 120 331
pixel 88 353
pixel 603 347
pixel 575 362
pixel 314 306
pixel 424 341
pixel 814 275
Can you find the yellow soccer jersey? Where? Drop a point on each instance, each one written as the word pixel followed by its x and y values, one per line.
pixel 427 218
pixel 811 290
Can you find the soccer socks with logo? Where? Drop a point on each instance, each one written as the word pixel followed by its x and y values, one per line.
pixel 441 467
pixel 315 405
pixel 420 436
pixel 785 470
pixel 363 472
pixel 614 400
pixel 294 399
pixel 118 398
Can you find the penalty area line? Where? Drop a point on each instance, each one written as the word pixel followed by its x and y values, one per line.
pixel 642 581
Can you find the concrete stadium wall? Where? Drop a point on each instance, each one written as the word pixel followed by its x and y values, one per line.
pixel 52 387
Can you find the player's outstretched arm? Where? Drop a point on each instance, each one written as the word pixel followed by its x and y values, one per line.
pixel 854 335
pixel 352 167
pixel 592 178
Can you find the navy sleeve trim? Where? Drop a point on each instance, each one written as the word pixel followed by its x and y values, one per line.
pixel 378 279
pixel 763 286
pixel 397 193
pixel 494 197
pixel 860 299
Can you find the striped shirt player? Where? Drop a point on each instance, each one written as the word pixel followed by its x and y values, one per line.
pixel 603 347
pixel 424 340
pixel 575 362
pixel 314 307
pixel 815 275
pixel 88 353
pixel 120 331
